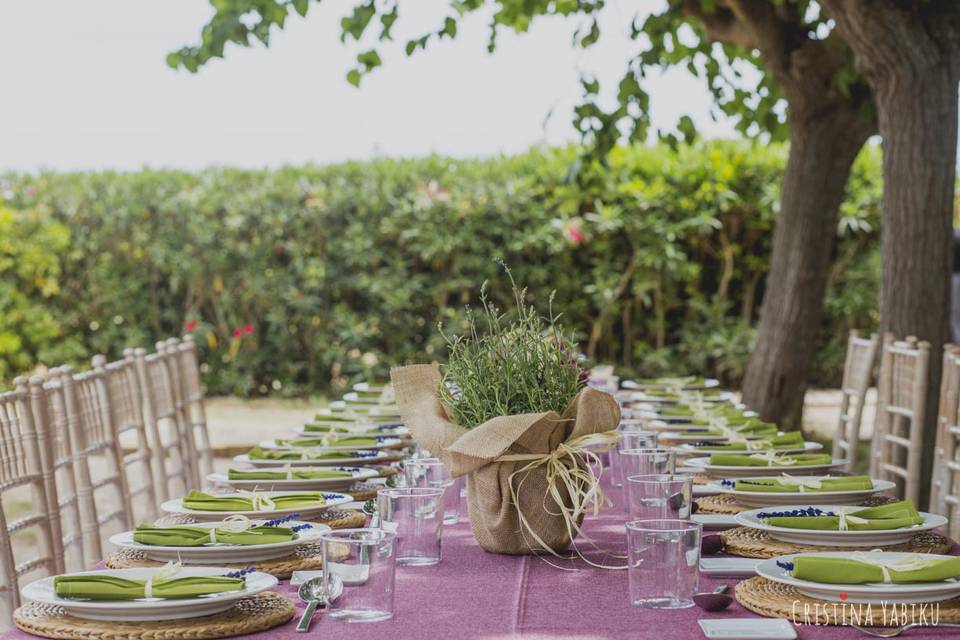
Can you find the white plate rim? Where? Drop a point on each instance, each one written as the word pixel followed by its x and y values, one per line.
pixel 931 521
pixel 174 505
pixel 125 540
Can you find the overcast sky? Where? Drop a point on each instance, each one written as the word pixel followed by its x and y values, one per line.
pixel 84 85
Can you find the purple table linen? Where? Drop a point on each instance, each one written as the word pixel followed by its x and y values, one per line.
pixel 474 594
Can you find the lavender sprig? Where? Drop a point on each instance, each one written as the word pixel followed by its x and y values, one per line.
pixel 301 527
pixel 795 513
pixel 785 565
pixel 239 573
pixel 279 521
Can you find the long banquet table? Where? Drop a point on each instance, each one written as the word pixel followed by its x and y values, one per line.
pixel 474 594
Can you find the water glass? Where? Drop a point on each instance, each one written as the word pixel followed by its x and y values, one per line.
pixel 365 560
pixel 645 461
pixel 431 472
pixel 659 496
pixel 663 562
pixel 628 438
pixel 416 513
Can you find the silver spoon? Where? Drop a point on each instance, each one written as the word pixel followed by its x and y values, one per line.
pixel 892 632
pixel 717 600
pixel 312 592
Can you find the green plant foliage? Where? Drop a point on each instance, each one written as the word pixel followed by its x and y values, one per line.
pixel 300 279
pixel 510 363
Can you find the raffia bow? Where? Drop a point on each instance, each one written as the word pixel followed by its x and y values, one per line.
pixel 165 572
pixel 803 485
pixel 913 562
pixel 237 523
pixel 258 501
pixel 565 472
pixel 846 519
pixel 772 459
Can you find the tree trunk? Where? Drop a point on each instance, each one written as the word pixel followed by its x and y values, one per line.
pixel 823 146
pixel 918 122
pixel 911 58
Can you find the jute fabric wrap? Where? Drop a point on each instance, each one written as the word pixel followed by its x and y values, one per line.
pixel 499 490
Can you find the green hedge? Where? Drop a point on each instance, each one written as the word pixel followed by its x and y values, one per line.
pixel 302 278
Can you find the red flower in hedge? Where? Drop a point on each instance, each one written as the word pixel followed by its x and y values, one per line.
pixel 238 333
pixel 573 233
pixel 248 329
pixel 191 326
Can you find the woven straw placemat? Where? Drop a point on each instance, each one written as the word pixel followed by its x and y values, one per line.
pixel 754 543
pixel 777 600
pixel 307 557
pixel 722 503
pixel 250 615
pixel 333 518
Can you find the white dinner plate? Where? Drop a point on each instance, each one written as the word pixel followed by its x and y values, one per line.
pixel 715 471
pixel 819 537
pixel 791 498
pixel 381 441
pixel 357 473
pixel 214 553
pixel 333 500
pixel 708 383
pixel 687 449
pixel 355 429
pixel 367 456
pixel 692 436
pixel 871 593
pixel 145 609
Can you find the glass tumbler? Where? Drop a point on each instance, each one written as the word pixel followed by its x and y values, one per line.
pixel 659 496
pixel 365 561
pixel 663 562
pixel 645 461
pixel 416 513
pixel 431 472
pixel 630 437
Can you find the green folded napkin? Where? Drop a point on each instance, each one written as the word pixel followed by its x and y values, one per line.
pixel 199 501
pixel 309 474
pixel 896 515
pixel 786 461
pixel 370 432
pixel 330 441
pixel 102 587
pixel 777 485
pixel 840 570
pixel 750 429
pixel 278 454
pixel 197 536
pixel 722 411
pixel 791 440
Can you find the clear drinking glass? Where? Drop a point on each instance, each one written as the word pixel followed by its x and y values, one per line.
pixel 659 496
pixel 645 461
pixel 630 437
pixel 417 515
pixel 663 566
pixel 431 472
pixel 365 560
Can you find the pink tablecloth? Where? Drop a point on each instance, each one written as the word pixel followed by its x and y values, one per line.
pixel 474 594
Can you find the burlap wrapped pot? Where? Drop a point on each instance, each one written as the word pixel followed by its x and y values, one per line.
pixel 478 454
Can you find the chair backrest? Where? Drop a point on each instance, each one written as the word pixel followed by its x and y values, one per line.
pixel 898 433
pixel 945 481
pixel 120 389
pixel 66 459
pixel 191 395
pixel 173 459
pixel 857 376
pixel 24 491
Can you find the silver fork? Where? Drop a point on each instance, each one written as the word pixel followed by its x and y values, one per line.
pixel 892 632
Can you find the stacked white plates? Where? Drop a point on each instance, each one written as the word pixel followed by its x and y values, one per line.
pixel 368 456
pixel 827 538
pixel 789 499
pixel 872 593
pixel 220 552
pixel 708 383
pixel 687 449
pixel 717 471
pixel 144 609
pixel 175 506
pixel 356 474
pixel 354 429
pixel 381 441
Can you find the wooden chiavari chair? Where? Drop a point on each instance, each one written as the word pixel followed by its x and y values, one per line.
pixel 898 433
pixel 191 396
pixel 120 391
pixel 27 524
pixel 49 406
pixel 857 375
pixel 173 456
pixel 945 483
